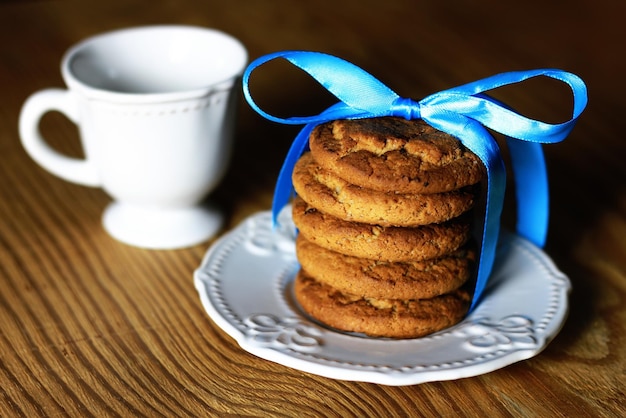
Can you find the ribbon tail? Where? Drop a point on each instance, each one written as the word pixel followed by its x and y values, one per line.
pixel 496 186
pixel 531 190
pixel 284 191
pixel 478 140
pixel 531 185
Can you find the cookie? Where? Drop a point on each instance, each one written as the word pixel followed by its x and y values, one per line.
pixel 337 197
pixel 385 280
pixel 392 318
pixel 379 242
pixel 391 154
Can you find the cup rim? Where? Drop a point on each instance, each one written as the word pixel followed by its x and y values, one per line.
pixel 92 92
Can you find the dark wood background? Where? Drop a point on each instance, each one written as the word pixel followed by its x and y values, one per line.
pixel 91 327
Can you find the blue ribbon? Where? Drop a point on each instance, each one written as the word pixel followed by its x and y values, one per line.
pixel 463 112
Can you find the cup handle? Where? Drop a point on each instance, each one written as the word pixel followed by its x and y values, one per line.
pixel 81 171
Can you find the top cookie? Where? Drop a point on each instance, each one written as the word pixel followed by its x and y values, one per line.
pixel 394 154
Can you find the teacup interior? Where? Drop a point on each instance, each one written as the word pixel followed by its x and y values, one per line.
pixel 156 59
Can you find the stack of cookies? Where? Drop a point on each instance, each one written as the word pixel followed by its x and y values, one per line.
pixel 383 209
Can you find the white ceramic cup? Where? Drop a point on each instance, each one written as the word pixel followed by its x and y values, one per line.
pixel 155 107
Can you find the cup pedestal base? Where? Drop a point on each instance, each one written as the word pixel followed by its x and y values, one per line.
pixel 161 228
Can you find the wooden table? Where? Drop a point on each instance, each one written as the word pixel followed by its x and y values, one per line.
pixel 92 327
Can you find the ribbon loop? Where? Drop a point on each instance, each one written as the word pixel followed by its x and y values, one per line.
pixel 464 112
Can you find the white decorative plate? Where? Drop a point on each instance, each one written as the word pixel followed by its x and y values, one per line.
pixel 244 283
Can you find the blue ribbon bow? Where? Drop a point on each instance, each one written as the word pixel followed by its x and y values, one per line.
pixel 463 112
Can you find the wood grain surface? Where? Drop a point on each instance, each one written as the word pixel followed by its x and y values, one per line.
pixel 92 327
